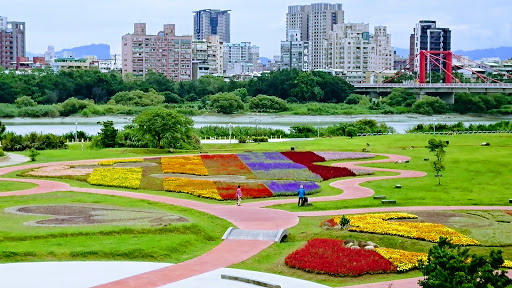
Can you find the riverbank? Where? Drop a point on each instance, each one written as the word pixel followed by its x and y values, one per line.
pixel 90 125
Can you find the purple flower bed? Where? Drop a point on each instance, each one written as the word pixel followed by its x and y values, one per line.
pixel 263 157
pixel 282 188
pixel 259 166
pixel 294 174
pixel 344 155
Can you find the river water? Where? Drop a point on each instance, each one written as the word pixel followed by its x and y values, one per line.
pixel 90 125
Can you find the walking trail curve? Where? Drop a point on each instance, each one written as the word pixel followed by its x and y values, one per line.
pixel 249 216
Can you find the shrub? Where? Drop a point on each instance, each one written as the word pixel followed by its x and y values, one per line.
pixel 25 101
pixel 72 106
pixel 226 103
pixel 353 99
pixel 33 153
pixel 450 266
pixel 264 103
pixel 429 106
pixel 39 111
pixel 138 98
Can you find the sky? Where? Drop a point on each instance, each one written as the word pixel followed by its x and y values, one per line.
pixel 71 23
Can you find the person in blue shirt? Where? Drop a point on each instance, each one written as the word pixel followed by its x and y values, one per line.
pixel 302 195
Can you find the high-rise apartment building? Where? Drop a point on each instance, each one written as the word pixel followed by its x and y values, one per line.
pixel 294 52
pixel 351 48
pixel 12 42
pixel 210 22
pixel 207 57
pixel 314 22
pixel 427 36
pixel 163 53
pixel 241 58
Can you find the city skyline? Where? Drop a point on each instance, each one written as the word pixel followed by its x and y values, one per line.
pixel 64 25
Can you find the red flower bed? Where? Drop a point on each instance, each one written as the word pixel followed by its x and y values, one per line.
pixel 326 172
pixel 328 256
pixel 227 191
pixel 225 164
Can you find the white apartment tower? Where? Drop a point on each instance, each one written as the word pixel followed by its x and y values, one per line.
pixel 240 58
pixel 314 22
pixel 207 57
pixel 351 48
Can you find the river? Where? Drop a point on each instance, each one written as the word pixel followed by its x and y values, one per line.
pixel 90 125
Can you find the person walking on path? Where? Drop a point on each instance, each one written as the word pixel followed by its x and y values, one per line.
pixel 302 195
pixel 239 195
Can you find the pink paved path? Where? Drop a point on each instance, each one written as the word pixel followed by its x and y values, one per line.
pixel 249 216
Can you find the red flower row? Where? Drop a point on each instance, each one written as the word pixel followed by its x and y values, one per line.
pixel 227 191
pixel 326 172
pixel 328 256
pixel 225 164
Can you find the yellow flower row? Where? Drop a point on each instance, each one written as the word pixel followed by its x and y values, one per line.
pixel 116 177
pixel 184 165
pixel 202 188
pixel 376 223
pixel 507 264
pixel 403 260
pixel 114 161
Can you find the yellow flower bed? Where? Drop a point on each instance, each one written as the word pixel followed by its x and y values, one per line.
pixel 114 161
pixel 116 177
pixel 185 165
pixel 378 224
pixel 202 188
pixel 403 260
pixel 507 264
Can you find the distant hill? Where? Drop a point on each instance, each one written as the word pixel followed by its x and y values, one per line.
pixel 102 51
pixel 504 53
pixel 265 60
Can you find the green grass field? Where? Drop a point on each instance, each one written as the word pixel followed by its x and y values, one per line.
pixel 15 186
pixel 475 176
pixel 174 243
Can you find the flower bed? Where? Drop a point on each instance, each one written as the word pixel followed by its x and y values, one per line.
pixel 378 224
pixel 507 264
pixel 344 155
pixel 114 161
pixel 283 174
pixel 227 191
pixel 116 177
pixel 58 171
pixel 275 166
pixel 328 256
pixel 201 188
pixel 403 260
pixel 283 188
pixel 326 172
pixel 225 164
pixel 184 165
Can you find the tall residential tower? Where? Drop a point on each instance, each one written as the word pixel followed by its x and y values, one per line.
pixel 210 22
pixel 12 42
pixel 431 38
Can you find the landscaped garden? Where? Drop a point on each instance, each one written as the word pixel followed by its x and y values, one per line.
pixel 475 175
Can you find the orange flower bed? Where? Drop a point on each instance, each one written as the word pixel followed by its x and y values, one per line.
pixel 227 191
pixel 225 164
pixel 184 165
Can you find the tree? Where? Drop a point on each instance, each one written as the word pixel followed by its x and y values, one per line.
pixel 306 88
pixel 25 101
pixel 353 99
pixel 138 98
pixel 429 105
pixel 264 103
pixel 437 146
pixel 450 266
pixel 467 103
pixel 351 132
pixel 400 97
pixel 166 129
pixel 108 135
pixel 2 130
pixel 226 103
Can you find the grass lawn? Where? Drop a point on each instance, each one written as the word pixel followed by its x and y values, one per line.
pixel 15 186
pixel 474 175
pixel 482 226
pixel 171 243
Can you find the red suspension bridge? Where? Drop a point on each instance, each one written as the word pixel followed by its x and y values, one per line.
pixel 440 61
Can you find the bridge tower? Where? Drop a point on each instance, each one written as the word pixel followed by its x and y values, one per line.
pixel 448 70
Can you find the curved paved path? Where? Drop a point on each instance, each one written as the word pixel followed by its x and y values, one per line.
pixel 249 216
pixel 13 159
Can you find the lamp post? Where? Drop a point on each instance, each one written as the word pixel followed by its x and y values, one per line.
pixel 76 132
pixel 434 126
pixel 229 133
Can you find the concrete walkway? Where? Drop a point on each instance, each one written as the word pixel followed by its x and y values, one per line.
pixel 250 216
pixel 13 159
